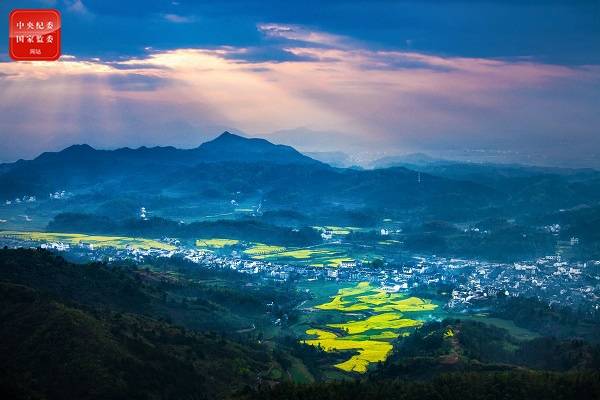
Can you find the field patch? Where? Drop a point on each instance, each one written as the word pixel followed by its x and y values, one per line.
pixel 376 318
pixel 326 255
pixel 378 322
pixel 259 249
pixel 368 351
pixel 216 243
pixel 96 241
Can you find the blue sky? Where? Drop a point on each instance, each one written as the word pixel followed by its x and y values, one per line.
pixel 520 79
pixel 553 31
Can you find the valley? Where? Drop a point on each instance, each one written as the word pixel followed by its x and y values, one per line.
pixel 355 306
pixel 306 273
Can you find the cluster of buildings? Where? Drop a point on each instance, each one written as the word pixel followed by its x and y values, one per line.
pixel 58 195
pixel 19 200
pixel 549 278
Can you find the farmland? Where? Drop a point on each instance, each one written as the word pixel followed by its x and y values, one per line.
pixel 371 319
pixel 260 249
pixel 215 243
pixel 117 242
pixel 326 255
pixel 369 351
pixel 337 230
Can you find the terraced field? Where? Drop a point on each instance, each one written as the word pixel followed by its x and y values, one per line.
pixel 98 241
pixel 377 318
pixel 369 350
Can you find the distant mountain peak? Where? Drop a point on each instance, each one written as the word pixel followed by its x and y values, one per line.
pixel 231 147
pixel 228 136
pixel 79 148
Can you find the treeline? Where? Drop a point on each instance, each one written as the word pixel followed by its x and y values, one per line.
pixel 244 229
pixel 477 347
pixel 505 244
pixel 545 319
pixel 458 386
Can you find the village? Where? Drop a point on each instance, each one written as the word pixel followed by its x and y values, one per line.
pixel 550 278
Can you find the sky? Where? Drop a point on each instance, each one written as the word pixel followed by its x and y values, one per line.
pixel 508 81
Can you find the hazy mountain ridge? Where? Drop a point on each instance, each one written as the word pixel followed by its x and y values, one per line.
pixel 225 147
pixel 228 165
pixel 234 168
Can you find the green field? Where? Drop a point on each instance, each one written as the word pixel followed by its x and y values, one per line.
pixel 117 242
pixel 371 319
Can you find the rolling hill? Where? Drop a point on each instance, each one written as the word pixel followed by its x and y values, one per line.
pixel 234 167
pixel 232 172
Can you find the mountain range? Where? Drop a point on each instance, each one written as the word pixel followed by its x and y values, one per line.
pixel 232 172
pixel 231 167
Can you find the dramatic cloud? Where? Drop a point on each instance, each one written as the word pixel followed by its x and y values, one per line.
pixel 366 98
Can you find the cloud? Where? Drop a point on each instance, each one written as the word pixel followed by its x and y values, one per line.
pixel 301 34
pixel 178 19
pixel 378 99
pixel 135 82
pixel 77 7
pixel 564 32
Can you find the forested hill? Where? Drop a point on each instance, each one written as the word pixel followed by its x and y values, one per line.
pixel 70 331
pixel 233 173
pixel 95 331
pixel 462 359
pixel 55 351
pixel 458 386
pixel 232 167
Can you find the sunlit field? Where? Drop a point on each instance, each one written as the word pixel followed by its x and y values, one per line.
pixel 117 242
pixel 377 322
pixel 327 255
pixel 375 319
pixel 336 230
pixel 369 351
pixel 260 249
pixel 216 243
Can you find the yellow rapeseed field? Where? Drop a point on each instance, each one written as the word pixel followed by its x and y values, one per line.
pixel 369 351
pixel 216 243
pixel 377 322
pixel 371 335
pixel 118 242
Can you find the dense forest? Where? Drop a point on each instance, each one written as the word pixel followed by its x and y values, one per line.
pixel 94 331
pixel 70 331
pixel 58 351
pixel 457 386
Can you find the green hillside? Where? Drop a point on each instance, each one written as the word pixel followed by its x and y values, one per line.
pixel 56 351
